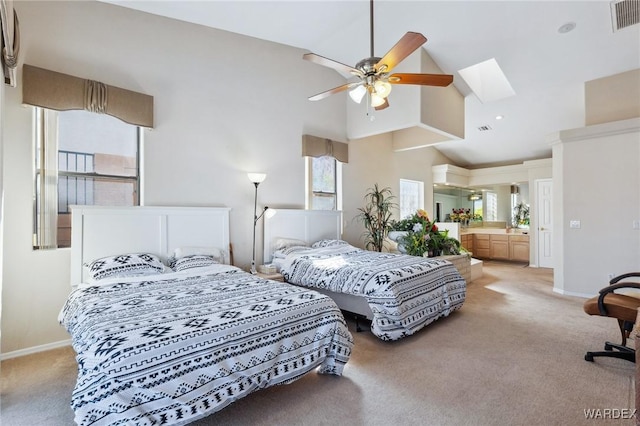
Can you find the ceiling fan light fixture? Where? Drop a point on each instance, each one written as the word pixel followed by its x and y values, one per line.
pixel 383 88
pixel 373 72
pixel 376 100
pixel 357 93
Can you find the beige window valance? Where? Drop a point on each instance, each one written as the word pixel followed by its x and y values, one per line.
pixel 314 146
pixel 61 92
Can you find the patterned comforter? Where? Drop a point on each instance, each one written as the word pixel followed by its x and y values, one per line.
pixel 183 345
pixel 405 293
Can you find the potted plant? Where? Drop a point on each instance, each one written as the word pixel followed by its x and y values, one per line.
pixel 450 245
pixel 521 215
pixel 376 216
pixel 421 237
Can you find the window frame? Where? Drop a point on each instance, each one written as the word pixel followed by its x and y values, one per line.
pixel 46 127
pixel 419 193
pixel 490 206
pixel 309 192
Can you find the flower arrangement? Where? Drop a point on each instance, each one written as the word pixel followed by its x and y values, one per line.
pixel 423 237
pixel 460 215
pixel 521 215
pixel 463 215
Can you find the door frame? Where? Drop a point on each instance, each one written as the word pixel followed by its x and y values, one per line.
pixel 544 223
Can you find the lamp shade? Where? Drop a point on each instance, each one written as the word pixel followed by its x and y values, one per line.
pixel 358 93
pixel 376 100
pixel 257 177
pixel 383 88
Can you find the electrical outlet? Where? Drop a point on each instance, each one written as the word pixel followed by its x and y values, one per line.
pixel 635 224
pixel 611 275
pixel 575 224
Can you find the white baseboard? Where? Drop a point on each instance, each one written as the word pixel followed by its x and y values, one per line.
pixel 35 349
pixel 572 293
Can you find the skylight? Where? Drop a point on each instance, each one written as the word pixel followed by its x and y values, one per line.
pixel 487 81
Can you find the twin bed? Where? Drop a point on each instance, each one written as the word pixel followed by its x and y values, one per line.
pixel 166 331
pixel 156 345
pixel 399 294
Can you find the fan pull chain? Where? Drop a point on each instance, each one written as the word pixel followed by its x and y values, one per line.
pixel 369 112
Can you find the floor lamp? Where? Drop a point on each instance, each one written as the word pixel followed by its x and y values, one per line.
pixel 257 179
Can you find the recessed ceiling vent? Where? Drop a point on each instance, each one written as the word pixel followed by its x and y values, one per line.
pixel 625 13
pixel 484 128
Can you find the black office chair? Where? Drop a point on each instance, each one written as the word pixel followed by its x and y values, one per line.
pixel 622 307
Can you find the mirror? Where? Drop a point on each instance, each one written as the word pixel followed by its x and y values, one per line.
pixel 491 204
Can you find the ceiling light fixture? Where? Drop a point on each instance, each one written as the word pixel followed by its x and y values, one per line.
pixel 358 93
pixel 374 73
pixel 377 100
pixel 382 88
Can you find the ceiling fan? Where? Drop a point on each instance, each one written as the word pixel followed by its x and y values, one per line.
pixel 373 75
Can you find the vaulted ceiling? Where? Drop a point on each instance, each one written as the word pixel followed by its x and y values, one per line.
pixel 546 67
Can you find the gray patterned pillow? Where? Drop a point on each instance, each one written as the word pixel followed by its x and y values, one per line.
pixel 329 243
pixel 125 265
pixel 192 261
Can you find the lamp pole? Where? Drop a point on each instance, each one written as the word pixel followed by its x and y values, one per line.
pixel 255 221
pixel 256 178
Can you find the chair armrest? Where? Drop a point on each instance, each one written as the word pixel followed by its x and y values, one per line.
pixel 612 288
pixel 623 276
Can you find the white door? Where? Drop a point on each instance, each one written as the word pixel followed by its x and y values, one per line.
pixel 544 220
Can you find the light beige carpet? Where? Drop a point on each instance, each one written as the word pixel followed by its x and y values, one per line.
pixel 513 355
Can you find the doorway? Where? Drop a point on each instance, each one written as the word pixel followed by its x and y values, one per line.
pixel 544 221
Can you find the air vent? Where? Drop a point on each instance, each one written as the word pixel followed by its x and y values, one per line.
pixel 625 13
pixel 484 128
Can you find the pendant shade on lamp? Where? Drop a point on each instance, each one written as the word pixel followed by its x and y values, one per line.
pixel 383 88
pixel 376 100
pixel 257 179
pixel 358 93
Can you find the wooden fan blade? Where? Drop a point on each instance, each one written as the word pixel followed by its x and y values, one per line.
pixel 321 60
pixel 403 48
pixel 383 106
pixel 330 92
pixel 422 79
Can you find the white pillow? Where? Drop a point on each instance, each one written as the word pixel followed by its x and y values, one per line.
pixel 284 243
pixel 217 254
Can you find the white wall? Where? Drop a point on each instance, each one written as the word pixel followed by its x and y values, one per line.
pixel 596 182
pixel 224 105
pixel 371 161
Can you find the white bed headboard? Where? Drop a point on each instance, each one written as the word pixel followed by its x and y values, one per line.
pixel 98 231
pixel 307 225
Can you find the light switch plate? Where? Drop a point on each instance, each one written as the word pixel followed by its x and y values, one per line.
pixel 575 224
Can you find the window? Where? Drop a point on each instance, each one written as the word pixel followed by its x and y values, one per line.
pixel 81 158
pixel 411 197
pixel 477 208
pixel 492 206
pixel 324 181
